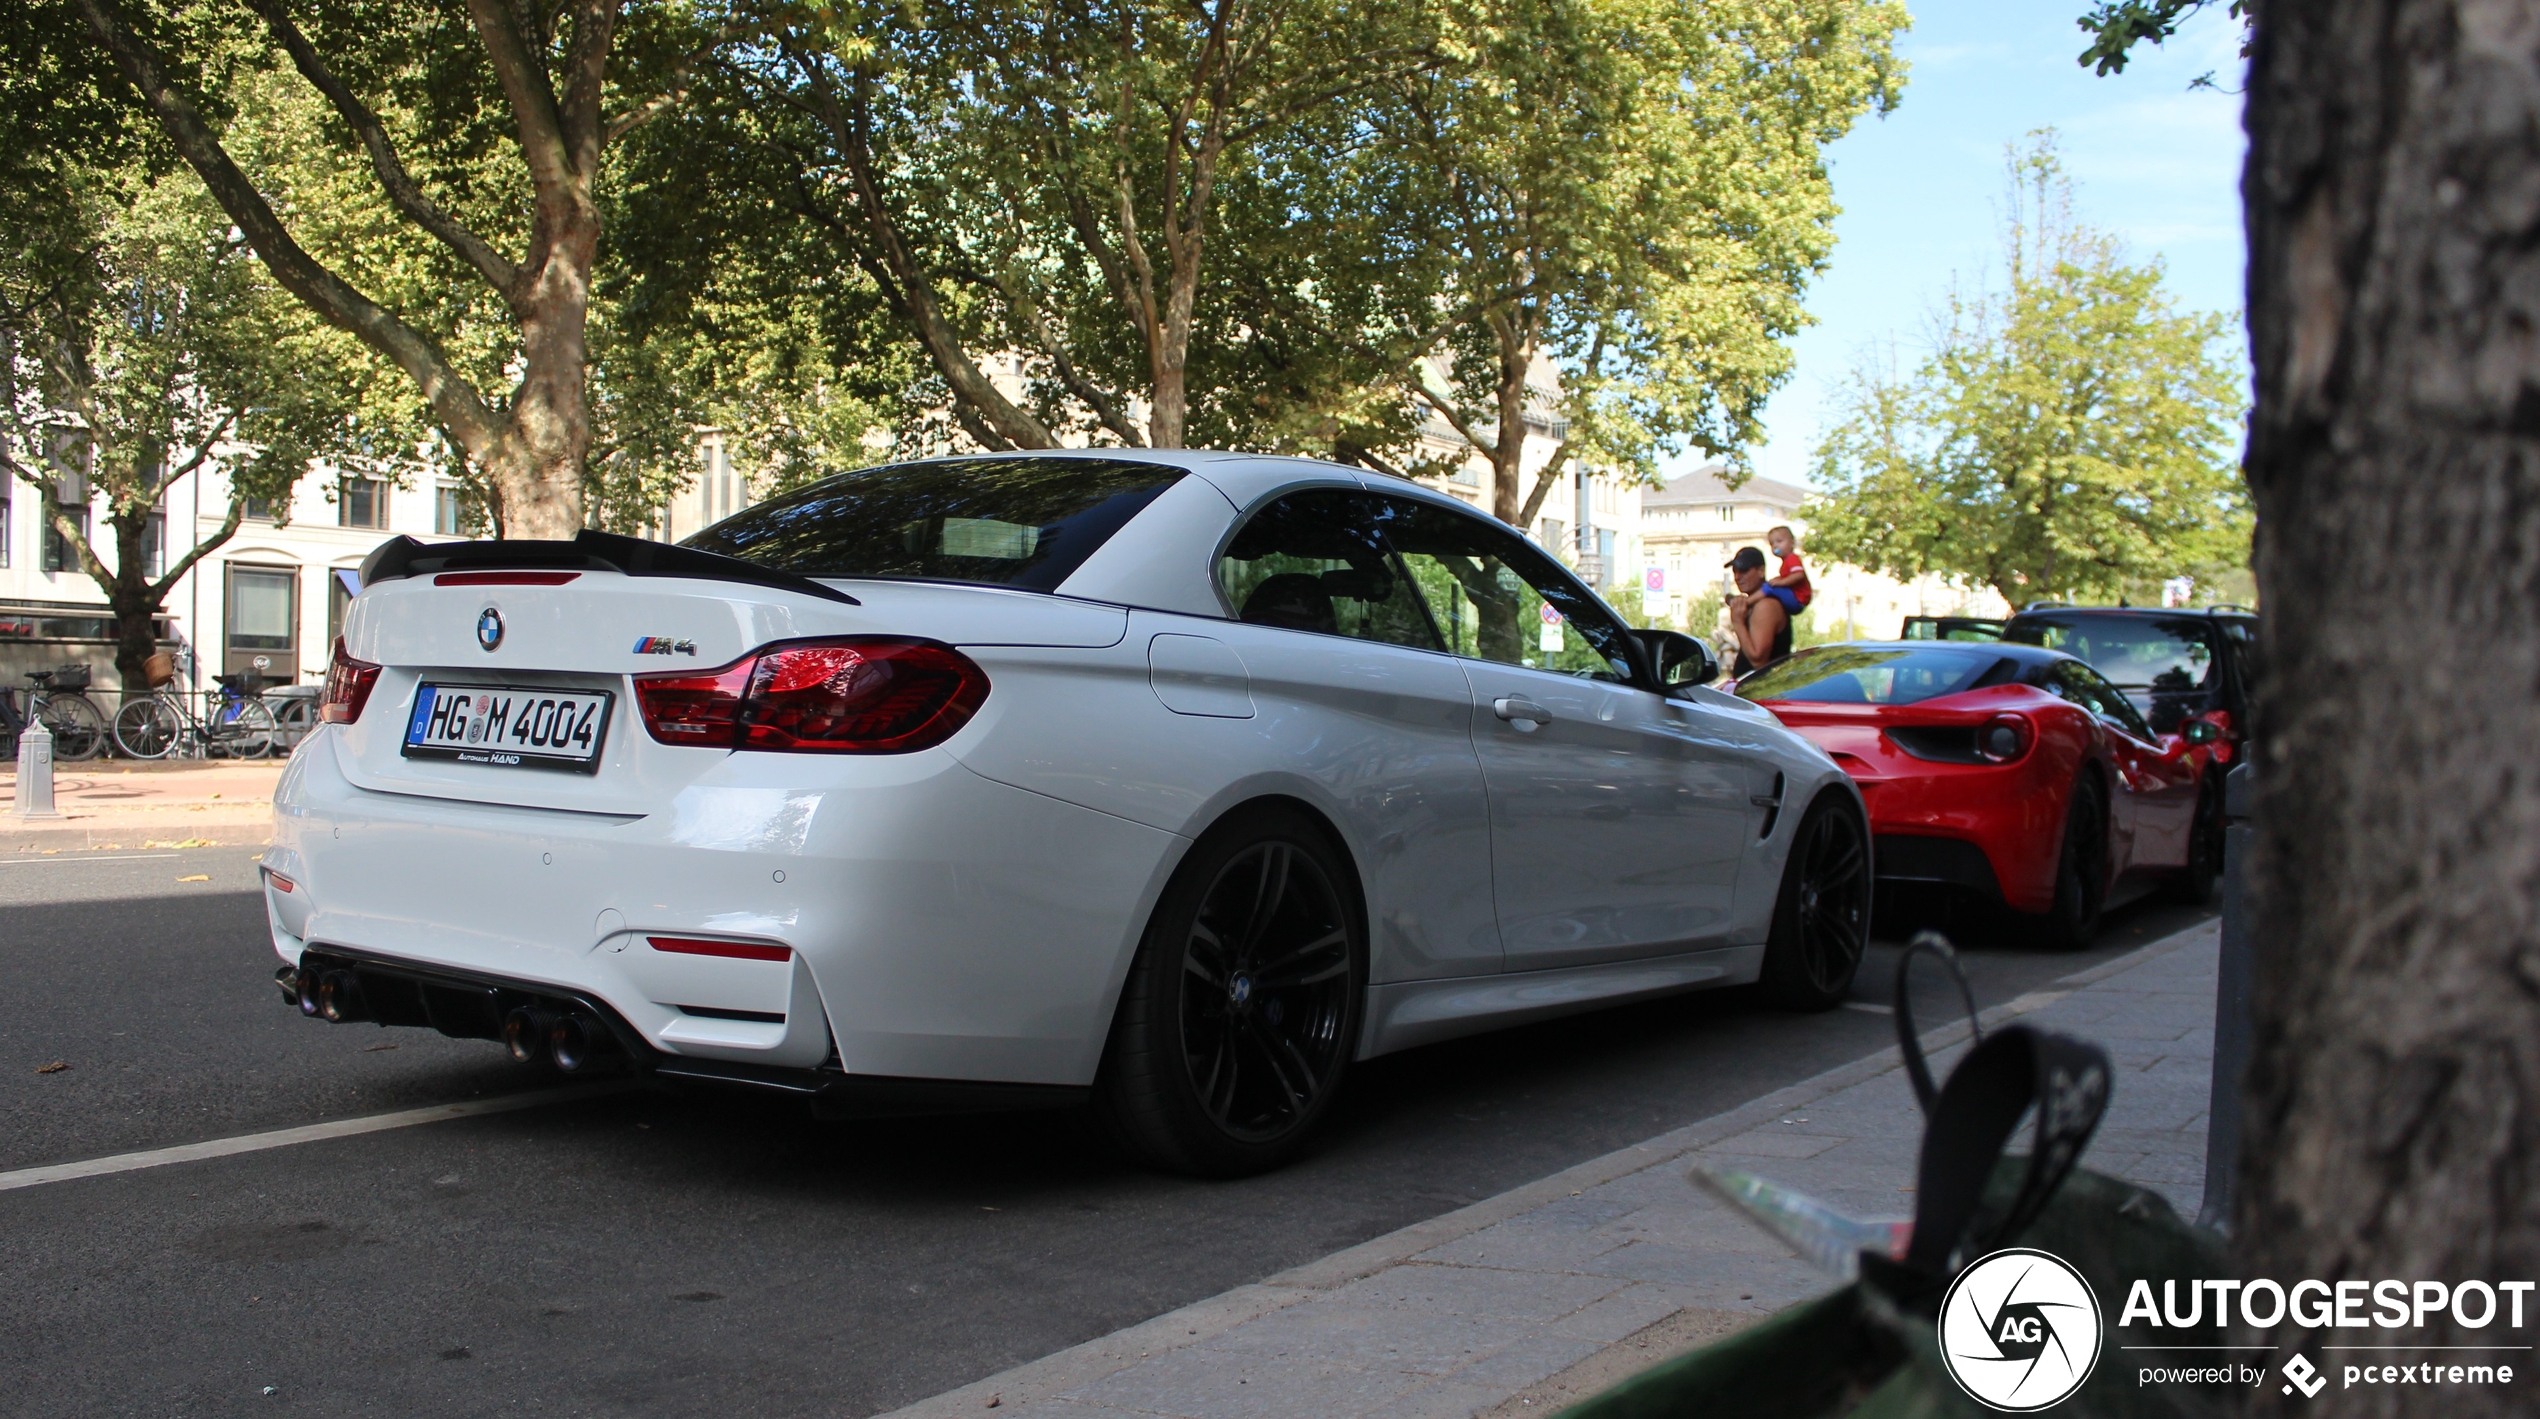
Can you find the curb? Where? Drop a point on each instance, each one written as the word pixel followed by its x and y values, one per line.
pixel 21 836
pixel 1080 1365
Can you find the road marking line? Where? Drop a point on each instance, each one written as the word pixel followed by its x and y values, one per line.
pixel 306 1133
pixel 119 857
pixel 1870 1008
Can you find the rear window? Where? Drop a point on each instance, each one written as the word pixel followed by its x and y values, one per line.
pixel 1856 675
pixel 2136 652
pixel 1020 522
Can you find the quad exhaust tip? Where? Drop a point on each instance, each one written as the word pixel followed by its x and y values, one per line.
pixel 526 1032
pixel 575 1040
pixel 340 997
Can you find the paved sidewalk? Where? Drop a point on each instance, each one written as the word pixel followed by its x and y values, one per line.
pixel 1531 1300
pixel 109 805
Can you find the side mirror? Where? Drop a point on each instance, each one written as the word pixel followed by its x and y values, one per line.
pixel 2200 731
pixel 1681 661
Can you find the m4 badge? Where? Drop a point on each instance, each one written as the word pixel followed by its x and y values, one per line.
pixel 663 645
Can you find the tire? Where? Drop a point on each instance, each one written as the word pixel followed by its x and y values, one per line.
pixel 2081 871
pixel 2195 885
pixel 244 729
pixel 79 731
pixel 1242 1008
pixel 146 729
pixel 293 718
pixel 1821 919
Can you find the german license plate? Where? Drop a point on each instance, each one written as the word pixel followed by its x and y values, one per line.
pixel 512 728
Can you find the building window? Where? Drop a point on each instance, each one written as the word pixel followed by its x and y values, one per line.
pixel 154 545
pixel 59 554
pixel 8 529
pixel 1728 512
pixel 362 502
pixel 262 625
pixel 258 510
pixel 445 510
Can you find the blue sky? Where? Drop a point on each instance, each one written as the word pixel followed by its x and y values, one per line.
pixel 1922 189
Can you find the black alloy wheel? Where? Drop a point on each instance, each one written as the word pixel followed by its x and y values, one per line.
pixel 2081 870
pixel 1821 922
pixel 2196 883
pixel 1240 1014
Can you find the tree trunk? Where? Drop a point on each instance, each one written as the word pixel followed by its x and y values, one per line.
pixel 538 464
pixel 2394 282
pixel 130 599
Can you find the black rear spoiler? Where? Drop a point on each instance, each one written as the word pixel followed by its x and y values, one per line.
pixel 402 556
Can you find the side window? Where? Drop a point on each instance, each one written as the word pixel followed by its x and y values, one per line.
pixel 1312 561
pixel 1495 596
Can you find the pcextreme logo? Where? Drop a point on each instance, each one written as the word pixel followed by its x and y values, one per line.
pixel 2019 1330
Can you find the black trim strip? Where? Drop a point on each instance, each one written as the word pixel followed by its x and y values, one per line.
pixel 403 556
pixel 709 1012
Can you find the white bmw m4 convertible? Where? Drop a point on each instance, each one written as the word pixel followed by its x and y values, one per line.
pixel 1169 782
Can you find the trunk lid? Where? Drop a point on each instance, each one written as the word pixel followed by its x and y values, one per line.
pixel 588 631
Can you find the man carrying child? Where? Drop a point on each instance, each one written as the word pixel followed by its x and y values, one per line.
pixel 1761 612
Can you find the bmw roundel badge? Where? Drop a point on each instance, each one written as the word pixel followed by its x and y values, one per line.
pixel 489 628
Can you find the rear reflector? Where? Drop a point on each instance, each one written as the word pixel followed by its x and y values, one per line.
pixel 858 695
pixel 280 882
pixel 736 950
pixel 504 578
pixel 348 685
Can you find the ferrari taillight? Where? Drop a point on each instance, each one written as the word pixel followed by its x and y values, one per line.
pixel 865 695
pixel 348 686
pixel 2003 738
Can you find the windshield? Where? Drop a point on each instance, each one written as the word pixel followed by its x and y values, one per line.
pixel 2167 653
pixel 1865 675
pixel 1022 522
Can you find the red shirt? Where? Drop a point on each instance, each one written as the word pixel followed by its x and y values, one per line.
pixel 1801 589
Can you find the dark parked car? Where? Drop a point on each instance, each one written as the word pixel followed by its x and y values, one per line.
pixel 2174 665
pixel 1951 628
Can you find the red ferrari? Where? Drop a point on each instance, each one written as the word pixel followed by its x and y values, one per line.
pixel 2011 771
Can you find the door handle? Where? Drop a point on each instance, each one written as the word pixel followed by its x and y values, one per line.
pixel 1521 712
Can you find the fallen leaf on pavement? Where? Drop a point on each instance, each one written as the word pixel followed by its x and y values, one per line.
pixel 197 877
pixel 56 1067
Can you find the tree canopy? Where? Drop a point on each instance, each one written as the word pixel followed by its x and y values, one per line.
pixel 140 340
pixel 583 233
pixel 2066 436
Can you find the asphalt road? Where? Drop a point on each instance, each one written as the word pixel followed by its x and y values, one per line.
pixel 645 1253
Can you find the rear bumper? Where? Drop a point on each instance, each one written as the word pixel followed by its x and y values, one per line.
pixel 1990 829
pixel 464 1006
pixel 934 925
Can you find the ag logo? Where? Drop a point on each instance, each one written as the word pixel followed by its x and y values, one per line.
pixel 2019 1330
pixel 489 628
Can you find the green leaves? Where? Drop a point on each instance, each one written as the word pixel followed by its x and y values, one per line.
pixel 2068 437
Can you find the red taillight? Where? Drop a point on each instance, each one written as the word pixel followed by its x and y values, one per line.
pixel 733 950
pixel 348 684
pixel 2003 738
pixel 860 696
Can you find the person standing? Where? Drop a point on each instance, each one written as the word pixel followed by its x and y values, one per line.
pixel 1759 621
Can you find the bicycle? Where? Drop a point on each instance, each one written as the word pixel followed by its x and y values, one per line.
pixel 234 723
pixel 58 702
pixel 295 715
